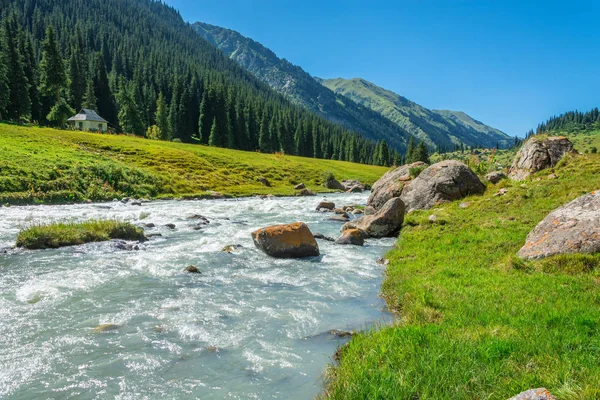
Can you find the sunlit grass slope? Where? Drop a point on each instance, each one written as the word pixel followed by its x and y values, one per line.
pixel 475 322
pixel 48 165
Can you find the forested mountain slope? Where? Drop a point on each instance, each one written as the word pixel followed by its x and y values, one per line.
pixel 439 127
pixel 140 65
pixel 301 87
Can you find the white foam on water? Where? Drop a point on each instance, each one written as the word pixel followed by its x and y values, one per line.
pixel 248 326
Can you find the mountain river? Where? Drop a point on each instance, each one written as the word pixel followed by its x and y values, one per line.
pixel 248 327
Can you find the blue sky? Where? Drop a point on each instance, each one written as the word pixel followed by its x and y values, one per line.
pixel 510 64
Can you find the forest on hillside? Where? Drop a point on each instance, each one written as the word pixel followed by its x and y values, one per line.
pixel 148 73
pixel 570 121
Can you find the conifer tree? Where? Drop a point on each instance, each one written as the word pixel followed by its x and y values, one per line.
pixel 89 100
pixel 104 96
pixel 421 154
pixel 410 151
pixel 31 73
pixel 384 154
pixel 77 87
pixel 215 136
pixel 129 118
pixel 162 117
pixel 4 87
pixel 60 112
pixel 19 103
pixel 264 136
pixel 53 77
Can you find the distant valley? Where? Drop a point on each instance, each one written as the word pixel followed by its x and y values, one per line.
pixel 357 104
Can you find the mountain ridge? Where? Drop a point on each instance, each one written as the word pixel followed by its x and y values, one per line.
pixel 437 128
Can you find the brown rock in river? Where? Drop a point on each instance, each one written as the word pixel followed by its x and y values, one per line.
pixel 286 241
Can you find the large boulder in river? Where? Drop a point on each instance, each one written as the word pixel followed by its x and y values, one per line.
pixel 537 154
pixel 442 182
pixel 286 241
pixel 391 184
pixel 387 221
pixel 572 228
pixel 352 236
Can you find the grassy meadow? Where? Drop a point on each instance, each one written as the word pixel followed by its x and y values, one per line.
pixel 473 320
pixel 43 165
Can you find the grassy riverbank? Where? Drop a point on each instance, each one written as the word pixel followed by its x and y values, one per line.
pixel 42 165
pixel 60 234
pixel 475 322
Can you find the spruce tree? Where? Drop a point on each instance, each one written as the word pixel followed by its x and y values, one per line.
pixel 410 151
pixel 77 87
pixel 89 100
pixel 32 77
pixel 384 154
pixel 264 136
pixel 53 77
pixel 215 136
pixel 60 112
pixel 104 96
pixel 129 118
pixel 19 103
pixel 162 117
pixel 422 154
pixel 4 87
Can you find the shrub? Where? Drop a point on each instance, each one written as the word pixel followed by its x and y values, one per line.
pixel 416 171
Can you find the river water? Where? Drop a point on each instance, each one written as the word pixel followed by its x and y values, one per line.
pixel 247 327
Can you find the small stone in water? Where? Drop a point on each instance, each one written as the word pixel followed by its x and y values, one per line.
pixel 106 328
pixel 192 269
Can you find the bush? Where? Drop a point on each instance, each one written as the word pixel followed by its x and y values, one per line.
pixel 416 171
pixel 594 150
pixel 328 176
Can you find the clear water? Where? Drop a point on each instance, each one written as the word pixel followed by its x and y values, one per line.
pixel 248 326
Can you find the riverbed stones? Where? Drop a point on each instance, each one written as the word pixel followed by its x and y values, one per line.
pixel 106 328
pixel 495 177
pixel 391 185
pixel 327 205
pixel 387 221
pixel 334 184
pixel 170 226
pixel 286 241
pixel 534 394
pixel 572 228
pixel 352 236
pixel 352 184
pixel 323 237
pixel 191 269
pixel 306 192
pixel 231 248
pixel 539 154
pixel 442 182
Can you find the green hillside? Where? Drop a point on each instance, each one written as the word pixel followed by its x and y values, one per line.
pixel 435 127
pixel 141 66
pixel 48 165
pixel 293 82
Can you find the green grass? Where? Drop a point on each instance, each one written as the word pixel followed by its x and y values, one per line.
pixel 60 234
pixel 473 320
pixel 42 165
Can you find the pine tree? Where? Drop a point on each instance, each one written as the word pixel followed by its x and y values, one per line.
pixel 421 153
pixel 384 154
pixel 410 151
pixel 162 117
pixel 19 104
pixel 104 97
pixel 264 136
pixel 89 100
pixel 77 87
pixel 4 87
pixel 60 112
pixel 215 138
pixel 32 77
pixel 206 118
pixel 129 118
pixel 53 77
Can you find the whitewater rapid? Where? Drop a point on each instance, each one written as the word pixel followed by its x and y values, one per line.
pixel 248 327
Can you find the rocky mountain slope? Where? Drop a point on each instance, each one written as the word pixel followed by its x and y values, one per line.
pixel 440 127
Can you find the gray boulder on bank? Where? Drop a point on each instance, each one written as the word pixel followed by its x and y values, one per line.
pixel 387 221
pixel 353 185
pixel 537 154
pixel 442 182
pixel 391 185
pixel 572 228
pixel 534 394
pixel 300 186
pixel 286 241
pixel 333 184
